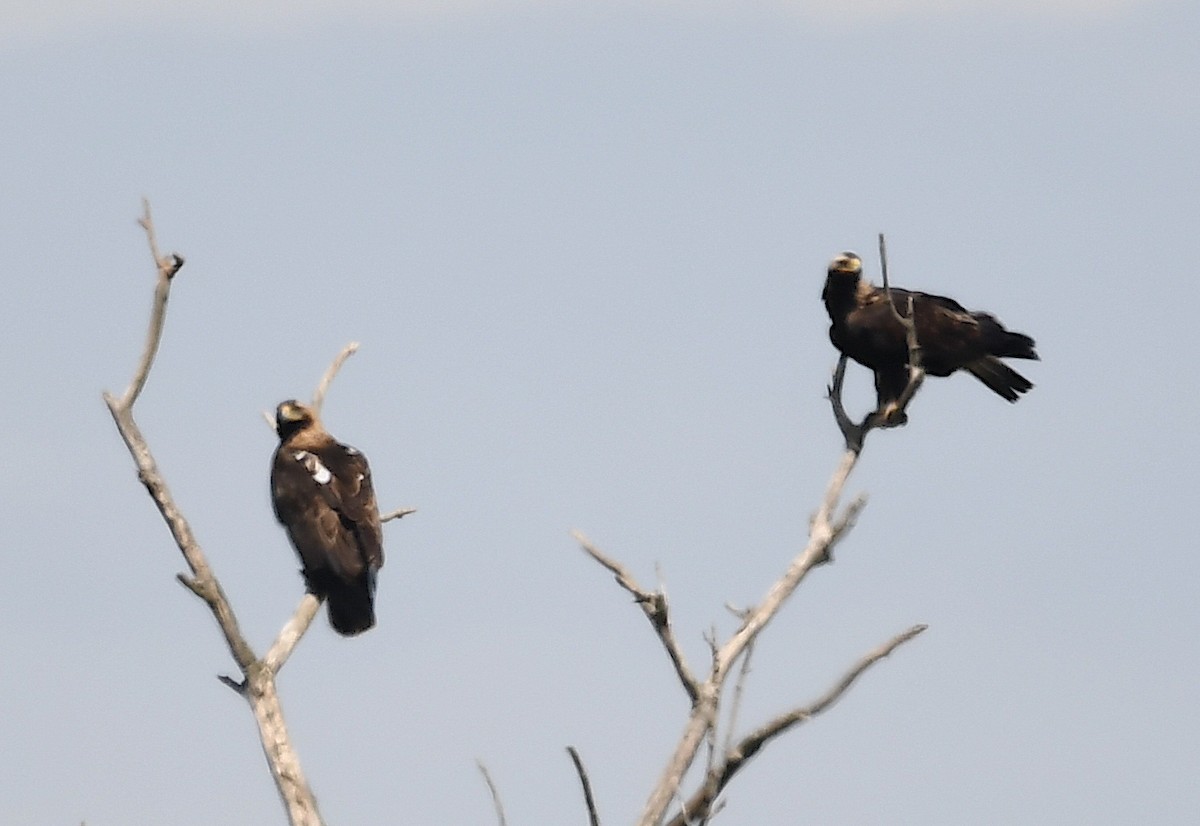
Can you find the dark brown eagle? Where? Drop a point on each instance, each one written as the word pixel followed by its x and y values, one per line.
pixel 950 336
pixel 322 494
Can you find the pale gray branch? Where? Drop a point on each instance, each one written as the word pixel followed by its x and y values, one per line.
pixel 291 633
pixel 825 530
pixel 654 606
pixel 323 386
pixel 739 689
pixel 701 802
pixel 166 268
pixel 396 514
pixel 259 685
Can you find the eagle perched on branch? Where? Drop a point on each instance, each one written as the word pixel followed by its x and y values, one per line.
pixel 322 494
pixel 950 337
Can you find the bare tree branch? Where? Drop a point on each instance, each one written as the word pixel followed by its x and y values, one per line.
pixel 291 633
pixel 828 525
pixel 499 807
pixel 654 606
pixel 258 685
pixel 589 801
pixel 318 398
pixel 739 689
pixel 167 267
pixel 893 414
pixel 396 514
pixel 701 802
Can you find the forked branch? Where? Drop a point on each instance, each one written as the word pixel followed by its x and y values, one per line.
pixel 828 525
pixel 258 677
pixel 654 606
pixel 854 433
pixel 700 805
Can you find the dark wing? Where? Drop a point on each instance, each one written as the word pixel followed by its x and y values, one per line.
pixel 325 501
pixel 352 496
pixel 949 334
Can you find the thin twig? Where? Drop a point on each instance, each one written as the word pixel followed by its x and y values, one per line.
pixel 736 758
pixel 854 433
pixel 496 804
pixel 739 689
pixel 818 551
pixel 166 268
pixel 258 685
pixel 323 386
pixel 908 321
pixel 654 605
pixel 589 801
pixel 396 514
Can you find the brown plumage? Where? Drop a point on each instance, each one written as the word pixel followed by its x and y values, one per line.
pixel 322 494
pixel 951 337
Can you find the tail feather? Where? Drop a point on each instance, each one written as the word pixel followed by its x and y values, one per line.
pixel 1000 378
pixel 351 609
pixel 1016 346
pixel 351 605
pixel 1004 343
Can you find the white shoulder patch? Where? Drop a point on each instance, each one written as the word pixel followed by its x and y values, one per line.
pixel 313 465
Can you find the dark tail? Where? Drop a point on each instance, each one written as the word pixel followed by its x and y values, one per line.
pixel 351 604
pixel 1003 343
pixel 1016 346
pixel 999 377
pixel 351 608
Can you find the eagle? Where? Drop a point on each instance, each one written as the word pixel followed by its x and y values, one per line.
pixel 951 337
pixel 322 495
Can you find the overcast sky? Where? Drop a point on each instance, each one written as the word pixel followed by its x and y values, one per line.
pixel 582 245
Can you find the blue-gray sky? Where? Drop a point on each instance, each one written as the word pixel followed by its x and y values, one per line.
pixel 582 245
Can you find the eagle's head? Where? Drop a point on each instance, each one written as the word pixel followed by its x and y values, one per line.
pixel 847 264
pixel 292 416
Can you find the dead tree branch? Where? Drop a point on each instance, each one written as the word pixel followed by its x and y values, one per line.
pixel 854 433
pixel 700 804
pixel 258 676
pixel 907 320
pixel 654 606
pixel 589 801
pixel 496 804
pixel 830 523
pixel 318 398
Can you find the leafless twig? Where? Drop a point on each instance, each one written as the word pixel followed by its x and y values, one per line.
pixel 739 689
pixel 828 525
pixel 396 514
pixel 496 804
pixel 318 399
pixel 907 320
pixel 893 414
pixel 258 684
pixel 826 529
pixel 589 801
pixel 736 757
pixel 654 606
